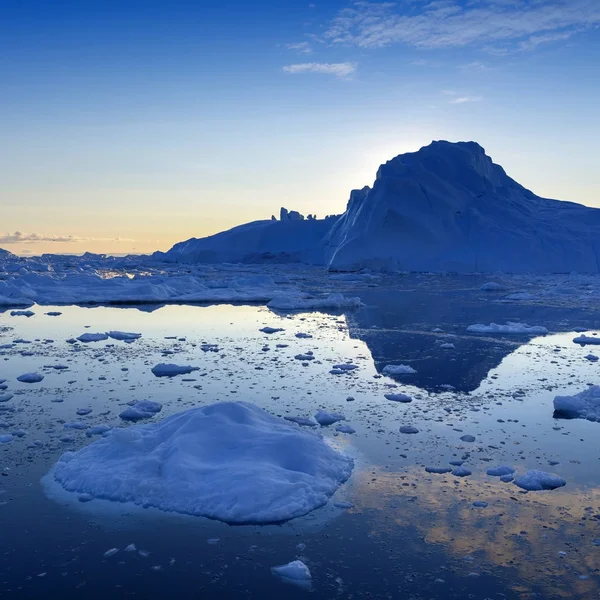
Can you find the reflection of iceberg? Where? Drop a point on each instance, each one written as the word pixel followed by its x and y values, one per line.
pixel 410 326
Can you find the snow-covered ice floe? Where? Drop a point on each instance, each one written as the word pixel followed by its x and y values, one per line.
pixel 584 405
pixel 228 461
pixel 398 370
pixel 511 328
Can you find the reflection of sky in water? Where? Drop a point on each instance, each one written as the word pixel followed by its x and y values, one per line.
pixel 509 411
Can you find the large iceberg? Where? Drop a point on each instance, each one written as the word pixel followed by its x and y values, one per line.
pixel 228 461
pixel 449 208
pixel 584 405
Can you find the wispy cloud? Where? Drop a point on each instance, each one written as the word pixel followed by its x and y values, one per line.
pixel 476 65
pixel 465 99
pixel 337 69
pixel 18 237
pixel 522 24
pixel 300 47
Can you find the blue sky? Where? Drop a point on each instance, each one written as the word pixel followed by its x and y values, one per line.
pixel 132 125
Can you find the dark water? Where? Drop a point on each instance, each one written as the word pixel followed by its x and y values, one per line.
pixel 410 534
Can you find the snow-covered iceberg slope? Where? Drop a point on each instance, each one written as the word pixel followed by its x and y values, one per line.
pixel 285 241
pixel 229 461
pixel 448 207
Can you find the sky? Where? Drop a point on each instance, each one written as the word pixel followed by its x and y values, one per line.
pixel 127 126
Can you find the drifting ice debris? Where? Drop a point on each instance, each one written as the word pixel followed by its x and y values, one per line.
pixel 169 370
pixel 345 429
pixel 111 552
pixel 21 313
pixel 584 405
pixel 304 421
pixel 230 461
pixel 492 286
pixel 408 429
pixel 438 470
pixel 509 328
pixel 461 472
pixel 536 481
pixel 295 573
pixel 142 409
pixel 467 438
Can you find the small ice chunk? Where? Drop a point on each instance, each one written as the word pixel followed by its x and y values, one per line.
pixel 98 430
pixel 30 378
pixel 467 438
pixel 295 573
pixel 303 336
pixel 342 504
pixel 587 339
pixel 398 370
pixel 6 397
pixel 492 286
pixel 408 429
pixel 461 472
pixel 304 421
pixel 21 313
pixel 500 471
pixel 83 411
pixel 447 346
pixel 591 357
pixel 438 470
pixel 123 335
pixel 141 409
pixel 170 370
pixel 76 425
pixel 345 429
pixel 584 405
pixel 111 552
pixel 270 330
pixel 480 504
pixel 92 337
pixel 325 418
pixel 130 548
pixel 536 481
pixel 5 438
pixel 399 397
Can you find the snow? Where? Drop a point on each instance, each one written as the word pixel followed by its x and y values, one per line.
pixel 398 370
pixel 587 339
pixel 228 461
pixel 539 480
pixel 584 405
pixel 170 370
pixel 141 409
pixel 30 378
pixel 295 572
pixel 509 328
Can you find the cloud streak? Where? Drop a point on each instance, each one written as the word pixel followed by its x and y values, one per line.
pixel 18 237
pixel 337 69
pixel 300 47
pixel 449 23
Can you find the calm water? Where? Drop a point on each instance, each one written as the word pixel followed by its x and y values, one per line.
pixel 410 534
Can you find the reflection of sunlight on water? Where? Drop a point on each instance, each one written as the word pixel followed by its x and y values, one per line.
pixel 519 531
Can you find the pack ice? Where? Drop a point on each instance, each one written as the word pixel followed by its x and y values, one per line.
pixel 228 461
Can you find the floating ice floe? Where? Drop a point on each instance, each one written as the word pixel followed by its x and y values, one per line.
pixel 295 573
pixel 512 328
pixel 408 429
pixel 21 313
pixel 141 409
pixel 304 421
pixel 325 418
pixel 229 461
pixel 587 340
pixel 438 470
pixel 492 286
pixel 536 481
pixel 584 405
pixel 30 378
pixel 398 370
pixel 86 338
pixel 123 336
pixel 270 330
pixel 170 370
